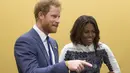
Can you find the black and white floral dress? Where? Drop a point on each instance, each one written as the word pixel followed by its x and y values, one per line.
pixel 81 52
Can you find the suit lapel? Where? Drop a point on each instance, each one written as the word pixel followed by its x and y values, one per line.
pixel 41 45
pixel 55 49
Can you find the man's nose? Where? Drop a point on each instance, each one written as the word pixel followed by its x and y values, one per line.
pixel 57 20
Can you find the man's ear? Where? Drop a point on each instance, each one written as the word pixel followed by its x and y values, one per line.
pixel 40 15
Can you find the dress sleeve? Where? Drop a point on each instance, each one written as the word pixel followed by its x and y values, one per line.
pixel 62 54
pixel 110 60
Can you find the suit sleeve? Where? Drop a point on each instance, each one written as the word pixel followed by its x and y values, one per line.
pixel 26 58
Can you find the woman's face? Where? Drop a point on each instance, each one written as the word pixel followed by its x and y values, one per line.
pixel 88 34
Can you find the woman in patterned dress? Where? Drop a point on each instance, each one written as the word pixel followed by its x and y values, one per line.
pixel 86 46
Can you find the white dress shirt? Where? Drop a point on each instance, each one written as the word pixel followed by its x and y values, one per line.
pixel 43 38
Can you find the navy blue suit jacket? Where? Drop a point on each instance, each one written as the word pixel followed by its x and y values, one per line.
pixel 31 55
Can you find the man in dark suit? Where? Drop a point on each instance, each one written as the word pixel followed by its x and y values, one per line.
pixel 35 51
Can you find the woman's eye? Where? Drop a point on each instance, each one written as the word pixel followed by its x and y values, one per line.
pixel 93 31
pixel 85 31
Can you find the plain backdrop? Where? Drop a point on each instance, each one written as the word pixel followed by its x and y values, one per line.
pixel 113 18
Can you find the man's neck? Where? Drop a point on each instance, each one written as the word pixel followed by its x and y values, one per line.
pixel 41 28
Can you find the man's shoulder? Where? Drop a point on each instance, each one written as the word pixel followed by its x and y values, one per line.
pixel 26 36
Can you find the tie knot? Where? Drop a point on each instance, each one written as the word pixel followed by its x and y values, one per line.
pixel 47 38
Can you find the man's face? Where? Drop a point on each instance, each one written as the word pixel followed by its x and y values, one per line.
pixel 50 21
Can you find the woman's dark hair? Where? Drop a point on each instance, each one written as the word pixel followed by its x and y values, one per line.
pixel 78 28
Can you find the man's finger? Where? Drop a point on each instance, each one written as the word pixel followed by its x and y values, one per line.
pixel 87 64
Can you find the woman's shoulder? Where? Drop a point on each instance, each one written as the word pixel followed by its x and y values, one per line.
pixel 69 46
pixel 105 48
pixel 103 45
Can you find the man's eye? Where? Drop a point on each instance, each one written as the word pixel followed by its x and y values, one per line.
pixel 54 16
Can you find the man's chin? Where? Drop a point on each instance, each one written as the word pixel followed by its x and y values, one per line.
pixel 54 31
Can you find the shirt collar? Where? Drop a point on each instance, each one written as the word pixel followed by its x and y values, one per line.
pixel 40 33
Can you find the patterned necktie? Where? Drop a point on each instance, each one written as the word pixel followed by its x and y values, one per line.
pixel 49 50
